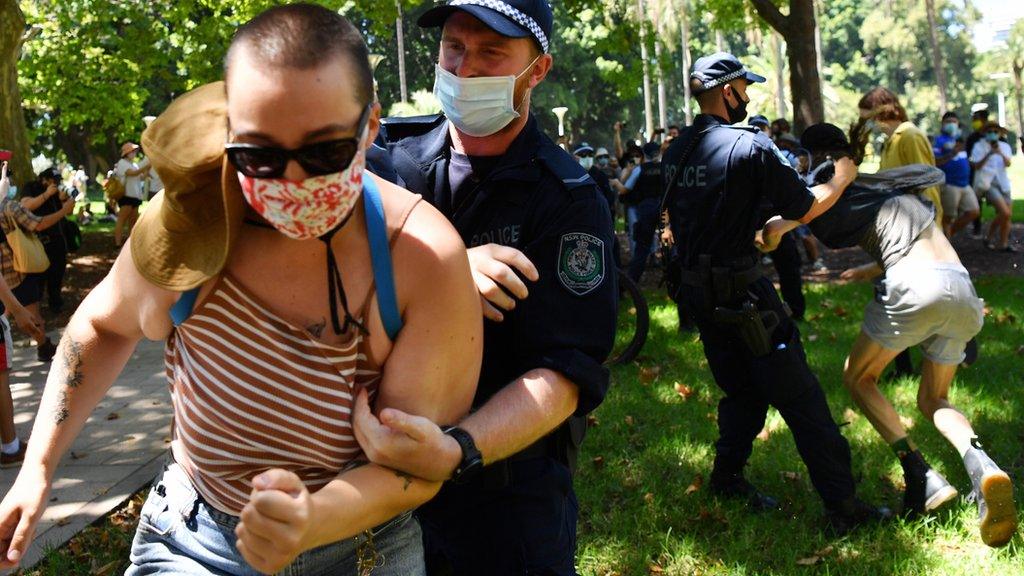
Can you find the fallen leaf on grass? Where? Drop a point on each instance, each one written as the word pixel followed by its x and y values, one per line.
pixel 113 416
pixel 649 373
pixel 850 416
pixel 62 522
pixel 814 317
pixel 683 390
pixel 809 561
pixel 698 481
pixel 826 304
pixel 1005 318
pixel 598 461
pixel 107 568
pixel 592 421
pixel 655 569
pixel 1020 351
pixel 827 550
pixel 812 337
pixel 840 311
pixel 649 498
pixel 791 476
pixel 629 420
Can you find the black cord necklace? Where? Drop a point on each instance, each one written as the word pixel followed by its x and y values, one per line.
pixel 335 287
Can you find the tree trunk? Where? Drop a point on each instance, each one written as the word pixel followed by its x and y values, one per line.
pixel 1018 95
pixel 400 36
pixel 641 16
pixel 780 76
pixel 684 33
pixel 13 134
pixel 662 96
pixel 933 38
pixel 804 79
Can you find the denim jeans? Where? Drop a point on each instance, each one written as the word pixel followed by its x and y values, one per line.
pixel 180 534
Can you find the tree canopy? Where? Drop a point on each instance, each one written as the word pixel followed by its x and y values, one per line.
pixel 97 67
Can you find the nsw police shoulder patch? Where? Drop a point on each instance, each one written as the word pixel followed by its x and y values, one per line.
pixel 581 266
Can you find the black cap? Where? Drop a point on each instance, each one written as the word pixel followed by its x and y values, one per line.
pixel 824 137
pixel 583 148
pixel 719 68
pixel 512 18
pixel 651 149
pixel 50 173
pixel 759 120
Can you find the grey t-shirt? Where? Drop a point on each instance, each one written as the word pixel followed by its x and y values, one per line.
pixel 900 221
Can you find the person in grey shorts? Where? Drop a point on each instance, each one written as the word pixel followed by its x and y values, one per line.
pixel 925 298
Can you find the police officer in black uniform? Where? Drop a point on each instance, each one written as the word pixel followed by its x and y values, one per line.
pixel 719 175
pixel 524 207
pixel 647 186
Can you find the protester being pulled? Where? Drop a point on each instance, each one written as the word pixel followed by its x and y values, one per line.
pixel 926 298
pixel 266 369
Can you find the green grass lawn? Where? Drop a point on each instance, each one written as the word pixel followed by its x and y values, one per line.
pixel 643 509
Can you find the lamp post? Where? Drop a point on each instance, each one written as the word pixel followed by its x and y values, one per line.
pixel 560 112
pixel 1002 95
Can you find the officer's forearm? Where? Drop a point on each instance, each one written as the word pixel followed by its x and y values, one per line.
pixel 521 413
pixel 825 196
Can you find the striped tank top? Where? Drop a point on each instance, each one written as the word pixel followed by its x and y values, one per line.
pixel 252 392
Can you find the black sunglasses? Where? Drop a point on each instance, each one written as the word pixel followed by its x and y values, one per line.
pixel 317 159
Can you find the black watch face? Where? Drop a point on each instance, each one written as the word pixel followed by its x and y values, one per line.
pixel 469 471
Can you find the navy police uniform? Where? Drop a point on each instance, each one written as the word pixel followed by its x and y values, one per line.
pixel 714 209
pixel 519 516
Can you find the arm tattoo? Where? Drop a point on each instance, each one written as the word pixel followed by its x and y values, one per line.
pixel 62 407
pixel 406 477
pixel 317 329
pixel 70 374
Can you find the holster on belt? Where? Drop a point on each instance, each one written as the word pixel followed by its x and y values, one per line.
pixel 753 326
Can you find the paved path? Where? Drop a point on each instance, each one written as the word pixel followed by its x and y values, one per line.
pixel 118 452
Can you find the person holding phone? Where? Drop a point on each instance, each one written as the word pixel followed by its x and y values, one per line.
pixel 54 238
pixel 990 158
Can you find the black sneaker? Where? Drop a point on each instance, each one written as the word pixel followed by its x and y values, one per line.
pixel 993 493
pixel 12 460
pixel 971 352
pixel 739 488
pixel 45 351
pixel 926 489
pixel 851 514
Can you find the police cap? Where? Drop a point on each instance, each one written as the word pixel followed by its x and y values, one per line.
pixel 511 18
pixel 719 68
pixel 759 120
pixel 583 148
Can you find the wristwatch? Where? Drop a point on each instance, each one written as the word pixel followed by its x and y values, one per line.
pixel 472 461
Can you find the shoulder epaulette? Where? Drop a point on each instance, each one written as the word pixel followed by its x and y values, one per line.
pixel 398 127
pixel 561 164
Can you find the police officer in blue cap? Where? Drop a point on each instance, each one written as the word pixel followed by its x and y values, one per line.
pixel 717 176
pixel 539 235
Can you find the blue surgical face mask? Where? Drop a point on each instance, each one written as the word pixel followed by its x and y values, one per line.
pixel 12 191
pixel 477 106
pixel 602 162
pixel 992 137
pixel 950 129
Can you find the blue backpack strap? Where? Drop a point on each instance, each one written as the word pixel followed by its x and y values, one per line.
pixel 380 254
pixel 182 309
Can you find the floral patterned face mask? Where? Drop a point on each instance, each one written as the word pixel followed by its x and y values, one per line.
pixel 316 207
pixel 310 208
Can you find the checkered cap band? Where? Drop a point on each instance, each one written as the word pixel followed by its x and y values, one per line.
pixel 724 79
pixel 513 13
